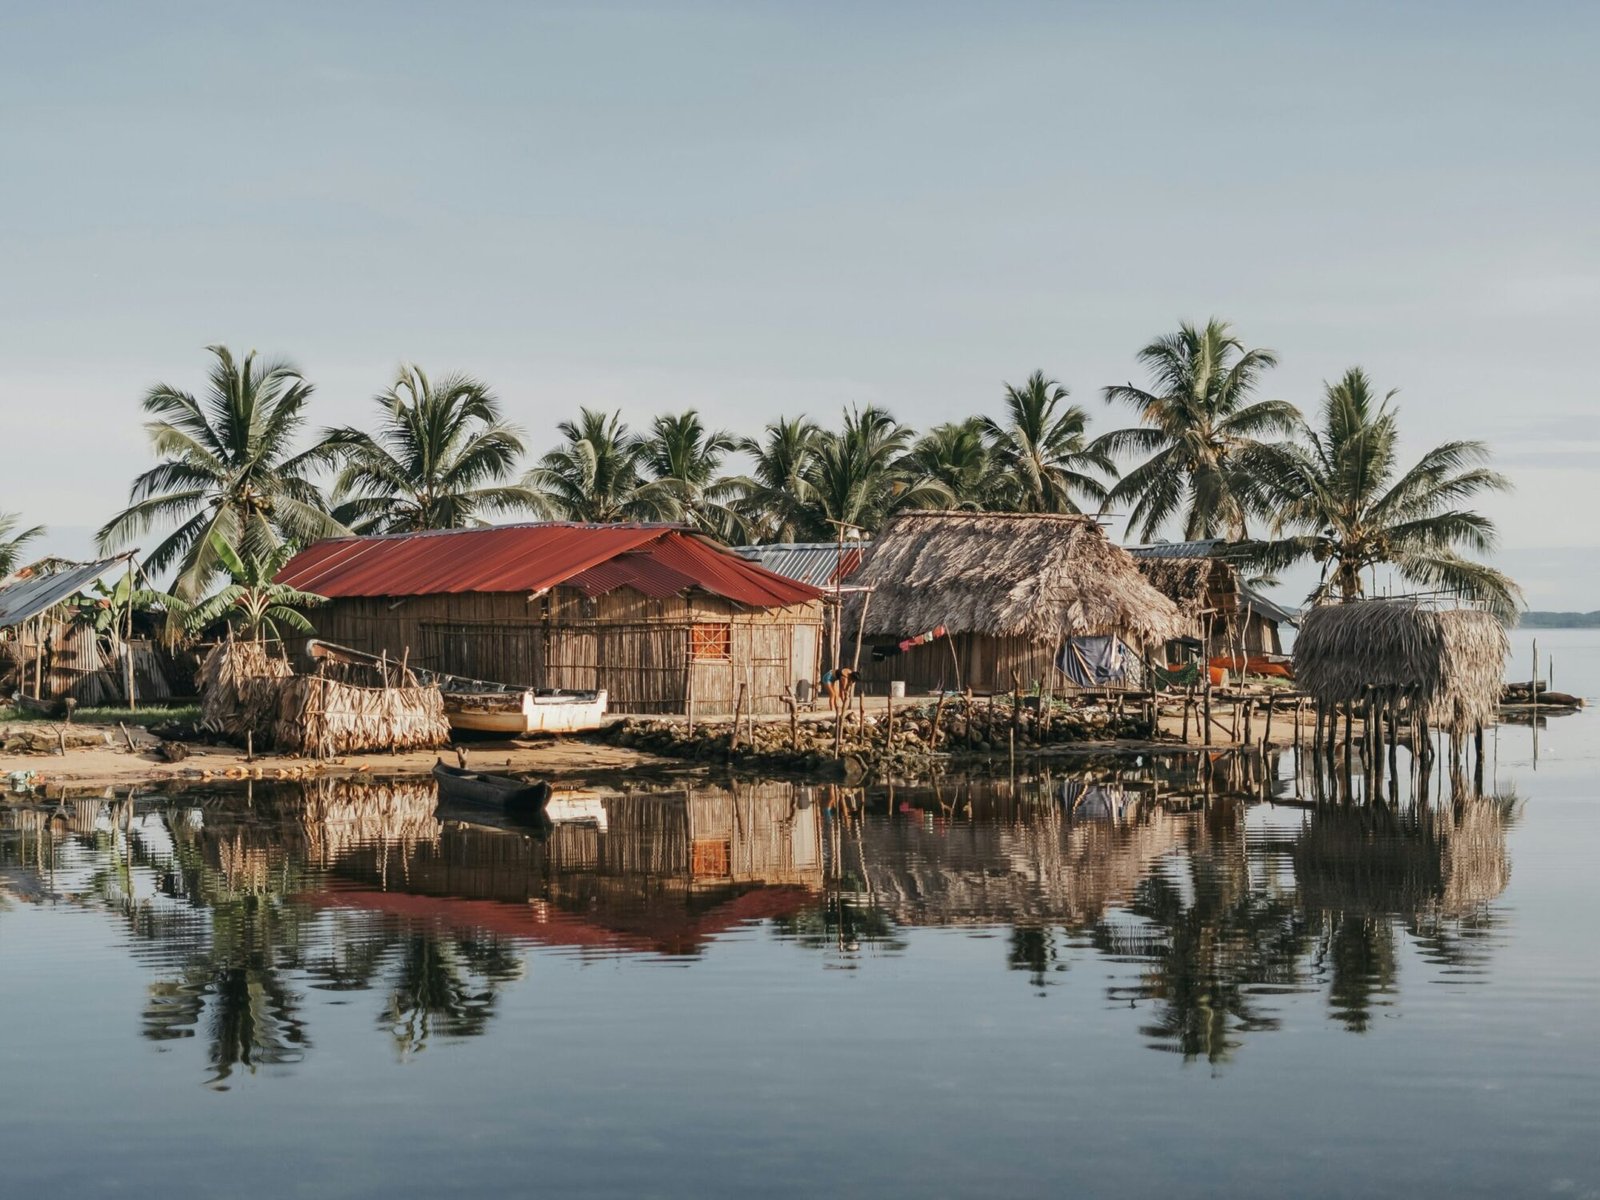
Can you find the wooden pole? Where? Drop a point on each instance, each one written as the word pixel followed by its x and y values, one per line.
pixel 738 710
pixel 1205 736
pixel 127 641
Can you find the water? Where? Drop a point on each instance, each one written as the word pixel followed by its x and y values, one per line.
pixel 1097 986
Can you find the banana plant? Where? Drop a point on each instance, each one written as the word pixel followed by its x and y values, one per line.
pixel 253 605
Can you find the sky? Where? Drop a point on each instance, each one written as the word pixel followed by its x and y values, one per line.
pixel 762 209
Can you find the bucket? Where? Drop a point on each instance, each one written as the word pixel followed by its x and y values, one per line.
pixel 897 689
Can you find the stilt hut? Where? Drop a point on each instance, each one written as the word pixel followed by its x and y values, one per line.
pixel 1440 667
pixel 659 617
pixel 1011 593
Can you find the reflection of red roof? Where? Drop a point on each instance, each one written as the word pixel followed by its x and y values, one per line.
pixel 544 923
pixel 656 560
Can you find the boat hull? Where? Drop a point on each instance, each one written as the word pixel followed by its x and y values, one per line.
pixel 527 712
pixel 494 791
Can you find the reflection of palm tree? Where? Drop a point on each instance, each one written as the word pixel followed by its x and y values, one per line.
pixel 1033 949
pixel 1210 956
pixel 431 994
pixel 1360 952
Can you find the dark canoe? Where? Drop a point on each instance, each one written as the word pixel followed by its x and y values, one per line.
pixel 499 791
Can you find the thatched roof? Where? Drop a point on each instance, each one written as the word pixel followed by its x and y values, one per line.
pixel 1009 575
pixel 1190 583
pixel 1451 661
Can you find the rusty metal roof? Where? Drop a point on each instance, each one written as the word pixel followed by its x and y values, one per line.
pixel 816 563
pixel 657 560
pixel 26 596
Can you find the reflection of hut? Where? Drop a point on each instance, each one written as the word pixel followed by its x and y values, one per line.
pixel 665 872
pixel 1445 862
pixel 1446 664
pixel 1223 611
pixel 1042 867
pixel 1011 590
pixel 653 614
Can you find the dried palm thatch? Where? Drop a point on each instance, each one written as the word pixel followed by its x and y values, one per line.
pixel 239 688
pixel 1037 577
pixel 323 717
pixel 1448 664
pixel 1195 585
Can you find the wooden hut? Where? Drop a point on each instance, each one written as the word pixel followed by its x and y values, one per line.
pixel 656 615
pixel 1224 613
pixel 1010 591
pixel 1442 666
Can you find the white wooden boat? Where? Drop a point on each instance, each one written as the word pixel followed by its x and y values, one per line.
pixel 528 711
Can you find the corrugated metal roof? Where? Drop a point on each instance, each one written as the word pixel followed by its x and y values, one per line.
pixel 27 598
pixel 1200 549
pixel 658 560
pixel 816 563
pixel 1269 609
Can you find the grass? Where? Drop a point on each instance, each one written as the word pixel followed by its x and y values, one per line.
pixel 152 715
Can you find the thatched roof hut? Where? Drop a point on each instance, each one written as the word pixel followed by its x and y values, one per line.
pixel 1448 662
pixel 1023 575
pixel 1008 588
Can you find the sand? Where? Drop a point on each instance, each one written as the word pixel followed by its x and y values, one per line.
pixel 115 766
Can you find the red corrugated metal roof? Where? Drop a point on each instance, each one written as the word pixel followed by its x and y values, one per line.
pixel 657 560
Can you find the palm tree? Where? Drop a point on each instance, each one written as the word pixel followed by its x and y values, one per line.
pixel 253 604
pixel 596 476
pixel 682 461
pixel 1041 453
pixel 1194 423
pixel 863 474
pixel 441 459
pixel 957 456
pixel 13 540
pixel 228 469
pixel 776 495
pixel 1342 501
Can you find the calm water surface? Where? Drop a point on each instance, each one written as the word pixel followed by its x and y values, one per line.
pixel 1053 985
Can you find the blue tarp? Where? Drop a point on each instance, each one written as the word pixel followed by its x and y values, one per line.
pixel 1098 661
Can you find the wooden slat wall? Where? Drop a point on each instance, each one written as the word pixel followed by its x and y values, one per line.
pixel 634 646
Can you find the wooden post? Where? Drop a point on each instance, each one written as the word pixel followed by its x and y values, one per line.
pixel 967 717
pixel 1266 733
pixel 1188 703
pixel 738 710
pixel 1205 737
pixel 938 713
pixel 127 640
pixel 888 722
pixel 1016 709
pixel 688 684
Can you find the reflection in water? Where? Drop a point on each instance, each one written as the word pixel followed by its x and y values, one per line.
pixel 1204 906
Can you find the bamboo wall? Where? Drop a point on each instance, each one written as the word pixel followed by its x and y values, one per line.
pixel 633 646
pixel 55 659
pixel 981 663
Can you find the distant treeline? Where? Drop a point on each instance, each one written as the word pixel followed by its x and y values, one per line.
pixel 1560 620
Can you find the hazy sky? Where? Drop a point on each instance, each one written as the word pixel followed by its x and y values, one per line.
pixel 762 209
